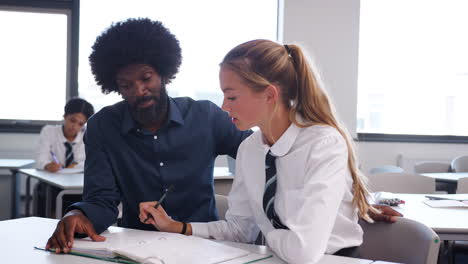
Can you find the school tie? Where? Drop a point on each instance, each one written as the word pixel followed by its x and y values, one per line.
pixel 269 192
pixel 69 158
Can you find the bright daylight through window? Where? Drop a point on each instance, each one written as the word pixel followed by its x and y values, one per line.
pixel 206 29
pixel 413 67
pixel 33 64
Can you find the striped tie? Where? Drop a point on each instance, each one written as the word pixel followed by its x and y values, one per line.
pixel 269 192
pixel 69 159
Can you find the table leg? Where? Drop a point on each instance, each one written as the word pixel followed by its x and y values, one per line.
pixel 48 205
pixel 28 196
pixel 14 194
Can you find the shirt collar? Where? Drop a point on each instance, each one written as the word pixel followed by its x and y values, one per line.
pixel 128 123
pixel 286 141
pixel 284 144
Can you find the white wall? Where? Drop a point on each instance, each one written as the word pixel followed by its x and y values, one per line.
pixel 329 30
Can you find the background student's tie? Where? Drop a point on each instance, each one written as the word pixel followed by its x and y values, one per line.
pixel 69 158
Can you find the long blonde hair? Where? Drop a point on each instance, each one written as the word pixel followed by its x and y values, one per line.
pixel 262 62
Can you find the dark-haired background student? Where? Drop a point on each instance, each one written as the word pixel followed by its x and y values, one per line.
pixel 61 146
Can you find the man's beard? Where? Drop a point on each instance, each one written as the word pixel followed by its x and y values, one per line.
pixel 154 114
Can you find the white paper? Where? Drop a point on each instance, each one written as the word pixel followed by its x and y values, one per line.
pixel 162 248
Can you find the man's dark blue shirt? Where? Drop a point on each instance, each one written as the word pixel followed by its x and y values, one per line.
pixel 129 164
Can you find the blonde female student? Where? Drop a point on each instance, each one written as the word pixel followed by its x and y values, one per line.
pixel 296 179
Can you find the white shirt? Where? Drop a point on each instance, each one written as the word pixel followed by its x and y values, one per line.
pixel 52 139
pixel 313 196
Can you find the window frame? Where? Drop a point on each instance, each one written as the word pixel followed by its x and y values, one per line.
pixel 70 8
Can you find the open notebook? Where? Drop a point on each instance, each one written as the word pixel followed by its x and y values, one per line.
pixel 158 248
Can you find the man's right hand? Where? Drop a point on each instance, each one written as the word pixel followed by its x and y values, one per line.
pixel 73 222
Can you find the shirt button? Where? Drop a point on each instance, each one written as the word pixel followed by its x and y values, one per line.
pixel 155 137
pixel 161 164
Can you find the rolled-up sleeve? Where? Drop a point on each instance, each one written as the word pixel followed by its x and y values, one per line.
pixel 100 194
pixel 312 209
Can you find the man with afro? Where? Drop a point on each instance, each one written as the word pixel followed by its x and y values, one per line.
pixel 149 142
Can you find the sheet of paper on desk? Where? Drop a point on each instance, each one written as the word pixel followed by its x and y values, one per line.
pixel 159 247
pixel 446 203
pixel 70 170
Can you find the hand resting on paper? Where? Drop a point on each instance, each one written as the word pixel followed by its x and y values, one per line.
pixel 73 222
pixel 387 214
pixel 72 165
pixel 159 219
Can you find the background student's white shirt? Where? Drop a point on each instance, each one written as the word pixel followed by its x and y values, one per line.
pixel 52 139
pixel 313 197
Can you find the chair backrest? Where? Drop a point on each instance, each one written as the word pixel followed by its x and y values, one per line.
pixel 460 164
pixel 231 164
pixel 401 183
pixel 462 185
pixel 405 241
pixel 385 168
pixel 429 167
pixel 221 206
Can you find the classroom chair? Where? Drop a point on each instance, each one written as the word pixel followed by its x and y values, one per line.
pixel 406 241
pixel 221 206
pixel 401 183
pixel 385 169
pixel 460 164
pixel 431 167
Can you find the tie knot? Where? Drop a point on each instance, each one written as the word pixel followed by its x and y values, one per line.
pixel 270 159
pixel 68 144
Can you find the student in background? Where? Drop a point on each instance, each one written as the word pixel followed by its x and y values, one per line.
pixel 296 178
pixel 61 146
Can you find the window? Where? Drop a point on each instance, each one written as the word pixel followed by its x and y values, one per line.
pixel 206 29
pixel 413 67
pixel 33 64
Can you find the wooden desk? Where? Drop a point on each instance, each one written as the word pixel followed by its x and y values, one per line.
pixel 26 233
pixel 14 165
pixel 448 223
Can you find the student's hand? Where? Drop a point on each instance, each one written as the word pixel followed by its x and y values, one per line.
pixel 73 222
pixel 158 218
pixel 72 165
pixel 52 167
pixel 387 214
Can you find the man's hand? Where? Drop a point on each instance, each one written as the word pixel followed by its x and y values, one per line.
pixel 73 222
pixel 52 167
pixel 387 214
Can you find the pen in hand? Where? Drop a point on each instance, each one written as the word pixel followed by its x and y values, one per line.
pixel 54 157
pixel 170 189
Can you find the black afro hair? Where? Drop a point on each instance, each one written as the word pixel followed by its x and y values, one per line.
pixel 134 41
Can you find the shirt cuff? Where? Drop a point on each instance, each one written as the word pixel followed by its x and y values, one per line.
pixel 200 230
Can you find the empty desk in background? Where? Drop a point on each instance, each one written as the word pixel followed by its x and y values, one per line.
pixel 14 165
pixel 448 223
pixel 222 180
pixel 450 178
pixel 33 232
pixel 73 184
pixel 69 183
